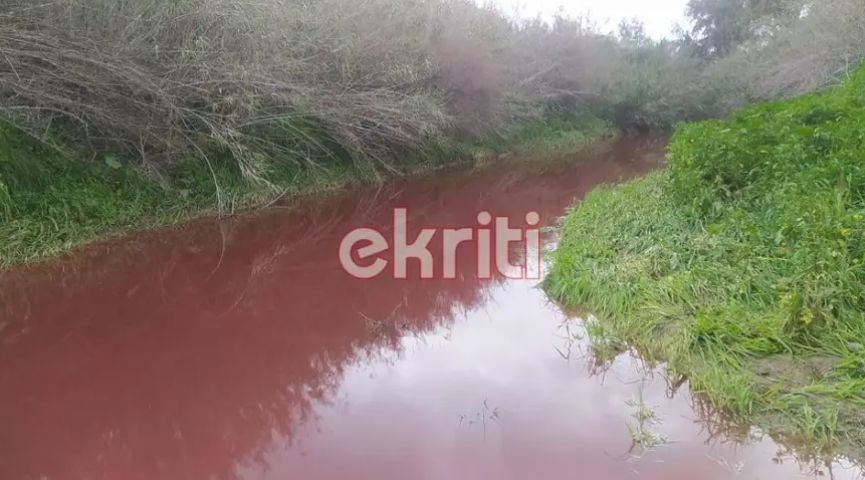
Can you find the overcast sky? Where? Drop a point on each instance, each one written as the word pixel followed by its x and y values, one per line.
pixel 659 16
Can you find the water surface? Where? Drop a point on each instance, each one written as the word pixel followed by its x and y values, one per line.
pixel 239 349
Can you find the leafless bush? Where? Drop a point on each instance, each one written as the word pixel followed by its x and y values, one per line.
pixel 280 79
pixel 820 48
pixel 296 80
pixel 165 79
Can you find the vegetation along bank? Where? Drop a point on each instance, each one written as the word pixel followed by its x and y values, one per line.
pixel 742 265
pixel 119 115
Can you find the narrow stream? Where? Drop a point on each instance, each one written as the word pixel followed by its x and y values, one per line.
pixel 240 349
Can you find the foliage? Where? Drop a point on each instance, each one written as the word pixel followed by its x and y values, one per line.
pixel 819 49
pixel 52 200
pixel 743 264
pixel 778 48
pixel 719 26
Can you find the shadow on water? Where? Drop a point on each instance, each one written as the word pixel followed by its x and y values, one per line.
pixel 239 348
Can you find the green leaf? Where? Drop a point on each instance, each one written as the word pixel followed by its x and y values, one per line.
pixel 113 162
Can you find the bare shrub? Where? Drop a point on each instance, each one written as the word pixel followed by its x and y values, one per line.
pixel 290 80
pixel 307 81
pixel 164 79
pixel 821 47
pixel 470 77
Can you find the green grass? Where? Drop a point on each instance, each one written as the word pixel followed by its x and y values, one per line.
pixel 52 199
pixel 741 266
pixel 553 133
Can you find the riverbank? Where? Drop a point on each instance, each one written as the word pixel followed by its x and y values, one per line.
pixel 52 199
pixel 741 266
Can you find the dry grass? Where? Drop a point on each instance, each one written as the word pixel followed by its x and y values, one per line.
pixel 164 80
pixel 306 81
pixel 285 80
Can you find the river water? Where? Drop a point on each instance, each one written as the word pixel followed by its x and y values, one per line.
pixel 240 349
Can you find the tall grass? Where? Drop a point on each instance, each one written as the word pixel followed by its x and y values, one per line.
pixel 303 81
pixel 742 265
pixel 167 80
pixel 279 80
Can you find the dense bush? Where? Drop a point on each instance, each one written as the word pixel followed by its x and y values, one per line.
pixel 284 80
pixel 162 80
pixel 303 82
pixel 820 47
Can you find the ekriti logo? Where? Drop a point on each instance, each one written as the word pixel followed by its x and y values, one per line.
pixel 367 253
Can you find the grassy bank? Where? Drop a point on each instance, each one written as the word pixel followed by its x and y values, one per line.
pixel 741 265
pixel 52 200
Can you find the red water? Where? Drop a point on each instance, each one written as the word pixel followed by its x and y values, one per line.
pixel 239 349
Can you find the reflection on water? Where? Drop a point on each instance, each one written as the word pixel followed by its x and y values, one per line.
pixel 239 349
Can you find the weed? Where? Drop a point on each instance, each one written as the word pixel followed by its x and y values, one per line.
pixel 643 437
pixel 52 200
pixel 741 265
